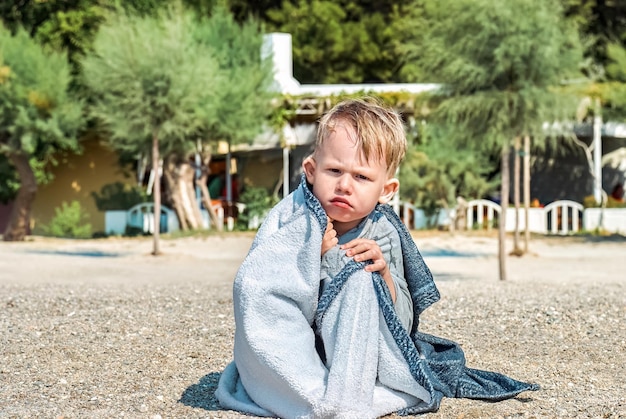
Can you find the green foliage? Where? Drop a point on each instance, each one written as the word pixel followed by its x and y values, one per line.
pixel 148 76
pixel 258 201
pixel 614 101
pixel 119 196
pixel 258 9
pixel 70 221
pixel 179 77
pixel 244 95
pixel 437 170
pixel 9 182
pixel 73 30
pixel 498 81
pixel 38 117
pixel 590 202
pixel 602 24
pixel 343 41
pixel 616 67
pixel 67 26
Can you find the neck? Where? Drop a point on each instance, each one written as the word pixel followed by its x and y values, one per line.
pixel 343 227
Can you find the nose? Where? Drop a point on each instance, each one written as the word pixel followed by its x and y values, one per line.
pixel 344 184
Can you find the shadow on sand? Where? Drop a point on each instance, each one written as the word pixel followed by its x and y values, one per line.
pixel 202 394
pixel 81 253
pixel 450 253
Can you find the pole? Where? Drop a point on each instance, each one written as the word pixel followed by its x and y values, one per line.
pixel 526 169
pixel 198 163
pixel 285 170
pixel 597 153
pixel 230 221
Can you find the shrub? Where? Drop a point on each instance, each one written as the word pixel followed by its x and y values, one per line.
pixel 258 201
pixel 590 202
pixel 70 221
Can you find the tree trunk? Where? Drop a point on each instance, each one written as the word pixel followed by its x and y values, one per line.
pixel 516 201
pixel 504 205
pixel 174 199
pixel 190 202
pixel 156 188
pixel 590 166
pixel 526 193
pixel 202 182
pixel 17 228
pixel 179 178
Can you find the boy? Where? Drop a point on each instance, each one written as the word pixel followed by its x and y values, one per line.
pixel 358 149
pixel 332 260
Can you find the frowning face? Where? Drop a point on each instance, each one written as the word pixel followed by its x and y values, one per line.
pixel 347 184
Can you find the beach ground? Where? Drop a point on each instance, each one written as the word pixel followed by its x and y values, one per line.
pixel 103 329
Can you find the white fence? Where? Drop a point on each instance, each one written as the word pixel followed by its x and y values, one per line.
pixel 560 217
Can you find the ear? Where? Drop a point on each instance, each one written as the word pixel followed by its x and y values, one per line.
pixel 389 190
pixel 309 166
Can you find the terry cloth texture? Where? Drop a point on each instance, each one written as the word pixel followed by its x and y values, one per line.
pixel 374 227
pixel 369 365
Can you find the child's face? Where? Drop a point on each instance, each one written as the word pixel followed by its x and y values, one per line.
pixel 346 184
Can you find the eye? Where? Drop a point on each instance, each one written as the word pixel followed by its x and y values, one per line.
pixel 362 177
pixel 333 170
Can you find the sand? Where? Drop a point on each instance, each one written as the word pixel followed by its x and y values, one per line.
pixel 103 329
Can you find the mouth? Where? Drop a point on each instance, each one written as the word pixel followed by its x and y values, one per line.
pixel 340 202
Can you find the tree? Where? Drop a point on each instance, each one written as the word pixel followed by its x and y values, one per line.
pixel 173 83
pixel 64 25
pixel 151 85
pixel 344 41
pixel 38 117
pixel 498 63
pixel 245 9
pixel 603 26
pixel 245 96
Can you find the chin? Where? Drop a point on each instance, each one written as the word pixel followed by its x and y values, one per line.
pixel 344 219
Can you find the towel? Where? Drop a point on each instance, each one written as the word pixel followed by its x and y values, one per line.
pixel 344 353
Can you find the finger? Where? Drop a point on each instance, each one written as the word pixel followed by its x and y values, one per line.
pixel 359 246
pixel 358 249
pixel 378 266
pixel 365 251
pixel 367 255
pixel 329 226
pixel 330 233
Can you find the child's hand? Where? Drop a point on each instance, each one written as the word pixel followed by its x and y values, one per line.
pixel 330 237
pixel 365 249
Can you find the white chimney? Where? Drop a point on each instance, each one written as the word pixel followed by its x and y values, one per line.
pixel 278 46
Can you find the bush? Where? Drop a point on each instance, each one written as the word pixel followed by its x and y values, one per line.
pixel 69 222
pixel 590 202
pixel 258 201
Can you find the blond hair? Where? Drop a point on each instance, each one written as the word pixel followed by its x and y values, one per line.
pixel 379 130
